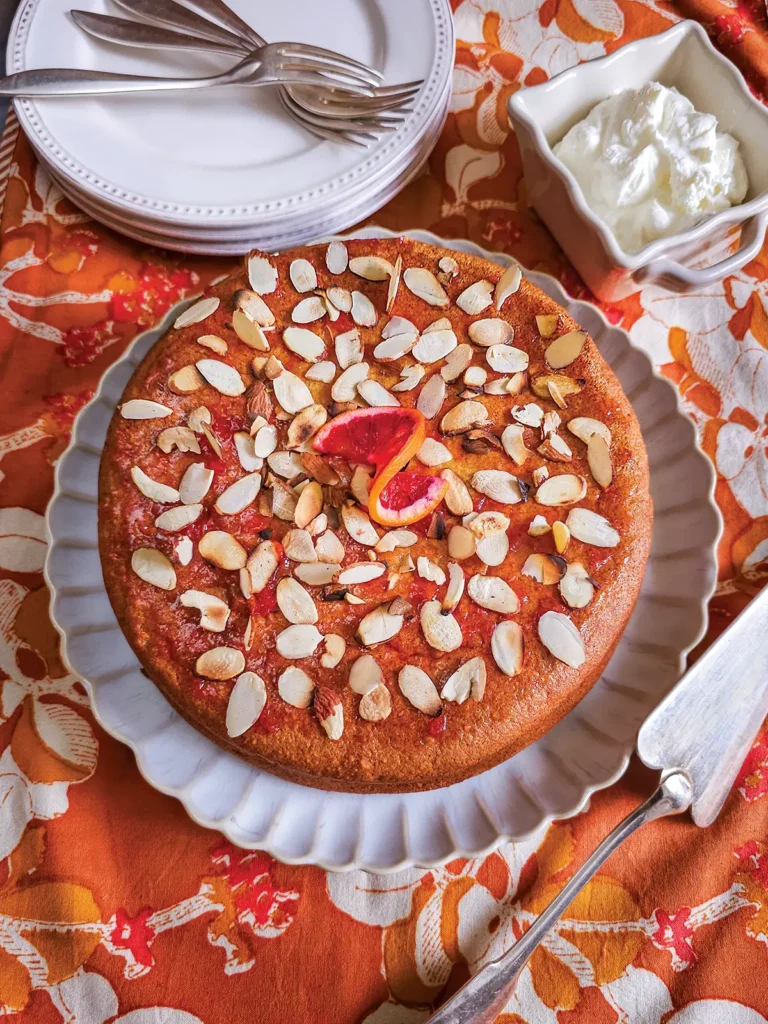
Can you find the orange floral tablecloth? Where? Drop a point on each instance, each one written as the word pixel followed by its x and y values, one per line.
pixel 114 906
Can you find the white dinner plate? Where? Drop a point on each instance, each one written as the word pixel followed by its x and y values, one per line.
pixel 551 779
pixel 239 159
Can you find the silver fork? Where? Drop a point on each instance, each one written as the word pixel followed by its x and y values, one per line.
pixel 273 63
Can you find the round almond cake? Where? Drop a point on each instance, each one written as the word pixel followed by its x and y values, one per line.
pixel 373 515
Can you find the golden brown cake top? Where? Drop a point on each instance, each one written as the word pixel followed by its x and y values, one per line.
pixel 374 514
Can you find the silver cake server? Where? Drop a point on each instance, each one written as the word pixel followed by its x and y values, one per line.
pixel 698 738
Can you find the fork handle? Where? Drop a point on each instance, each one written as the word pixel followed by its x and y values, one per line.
pixel 484 996
pixel 74 82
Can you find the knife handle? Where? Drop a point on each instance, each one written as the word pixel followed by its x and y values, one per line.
pixel 484 996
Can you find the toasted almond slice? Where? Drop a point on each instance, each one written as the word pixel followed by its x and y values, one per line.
pixel 143 409
pixel 220 663
pixel 442 632
pixel 329 548
pixel 262 275
pixel 152 488
pixel 317 525
pixel 345 386
pixel 349 349
pixel 430 571
pixel 308 310
pixel 395 347
pixel 448 267
pixel 433 453
pixel 507 647
pixel 306 424
pixel 542 386
pixel 376 705
pixel 251 304
pixel 329 711
pixel 178 518
pixel 561 535
pixel 498 485
pixel 492 550
pixel 476 298
pixel 425 285
pixel 360 485
pixel 244 578
pixel 563 350
pixel 456 362
pixel 213 611
pixel 555 448
pixel 304 343
pixel 183 550
pixel 222 550
pixel 485 524
pixel 443 324
pixel 195 483
pixel 396 539
pixel 576 587
pixel 378 626
pixel 507 359
pixel 299 641
pixel 457 497
pixel 493 593
pixel 546 569
pixel 249 331
pixel 285 464
pixel 550 423
pixel 539 475
pixel 561 638
pixel 197 312
pixel 341 298
pixel 507 285
pixel 584 427
pixel 273 368
pixel 411 375
pixel 359 526
pixel 539 526
pixel 513 444
pixel 316 574
pixel 365 675
pixel 475 376
pixel 399 325
pixel 262 562
pixel 556 395
pixel 375 394
pixel 363 311
pixel 265 440
pixel 246 702
pixel 490 332
pixel 212 440
pixel 294 602
pixel 360 572
pixel 517 383
pixel 461 543
pixel 221 376
pixel 309 505
pixel 455 587
pixel 292 393
pixel 185 381
pixel 463 417
pixel 433 346
pixel 336 258
pixel 335 648
pixel 295 687
pixel 371 268
pixel 394 284
pixel 246 455
pixel 181 438
pixel 431 397
pixel 419 690
pixel 469 678
pixel 591 528
pixel 299 547
pixel 239 495
pixel 530 415
pixel 214 343
pixel 599 460
pixel 153 567
pixel 199 418
pixel 563 489
pixel 324 371
pixel 302 275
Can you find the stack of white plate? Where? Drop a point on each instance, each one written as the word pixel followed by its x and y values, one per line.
pixel 225 170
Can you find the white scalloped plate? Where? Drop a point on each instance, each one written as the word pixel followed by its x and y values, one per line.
pixel 551 779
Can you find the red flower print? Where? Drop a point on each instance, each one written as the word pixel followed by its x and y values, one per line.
pixel 752 780
pixel 674 932
pixel 83 344
pixel 156 290
pixel 134 934
pixel 63 408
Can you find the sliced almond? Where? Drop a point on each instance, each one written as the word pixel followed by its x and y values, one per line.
pixel 304 343
pixel 379 626
pixel 476 298
pixel 561 535
pixel 324 371
pixel 359 526
pixel 396 344
pixel 199 418
pixel 221 376
pixel 448 268
pixel 335 647
pixel 397 326
pixel 394 284
pixel 371 268
pixel 295 687
pixel 351 598
pixel 455 589
pixel 246 702
pixel 561 638
pixel 292 393
pixel 475 376
pixel 262 275
pixel 316 574
pixel 376 705
pixel 285 464
pixel 214 343
pixel 262 563
pixel 490 332
pixel 249 331
pixel 513 444
pixel 345 386
pixel 591 528
pixel 375 394
pixel 363 312
pixel 543 386
pixel 419 690
pixel 183 550
pixel 429 571
pixel 349 349
pixel 299 547
pixel 584 427
pixel 329 548
pixel 306 424
pixel 360 572
pixel 469 678
pixel 442 632
pixel 507 285
pixel 152 488
pixel 185 381
pixel 153 567
pixel 181 438
pixel 309 505
pixel 563 489
pixel 365 675
pixel 539 527
pixel 302 275
pixel 336 258
pixel 530 415
pixel 550 423
pixel 411 375
pixel 456 362
pixel 178 518
pixel 485 524
pixel 251 304
pixel 507 647
pixel 492 550
pixel 539 475
pixel 461 542
pixel 556 395
pixel 555 448
pixel 434 345
pixel 317 525
pixel 457 497
pixel 213 611
pixel 239 495
pixel 195 483
pixel 299 641
pixel 197 312
pixel 341 298
pixel 360 485
pixel 498 485
pixel 563 350
pixel 546 324
pixel 576 587
pixel 308 310
pixel 546 569
pixel 425 286
pixel 273 368
pixel 599 460
pixel 431 397
pixel 143 409
pixel 497 386
pixel 222 550
pixel 433 453
pixel 493 593
pixel 507 359
pixel 220 663
pixel 246 455
pixel 212 440
pixel 294 602
pixel 517 383
pixel 463 417
pixel 394 539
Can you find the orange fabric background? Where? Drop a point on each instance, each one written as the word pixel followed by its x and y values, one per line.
pixel 113 904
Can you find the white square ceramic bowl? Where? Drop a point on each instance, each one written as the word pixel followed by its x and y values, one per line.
pixel 682 57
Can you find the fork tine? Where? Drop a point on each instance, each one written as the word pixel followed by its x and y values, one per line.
pixel 358 126
pixel 371 104
pixel 331 76
pixel 305 50
pixel 302 75
pixel 329 63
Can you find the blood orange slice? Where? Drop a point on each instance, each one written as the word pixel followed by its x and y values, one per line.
pixel 386 439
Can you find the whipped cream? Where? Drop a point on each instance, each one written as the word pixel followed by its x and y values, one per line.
pixel 650 165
